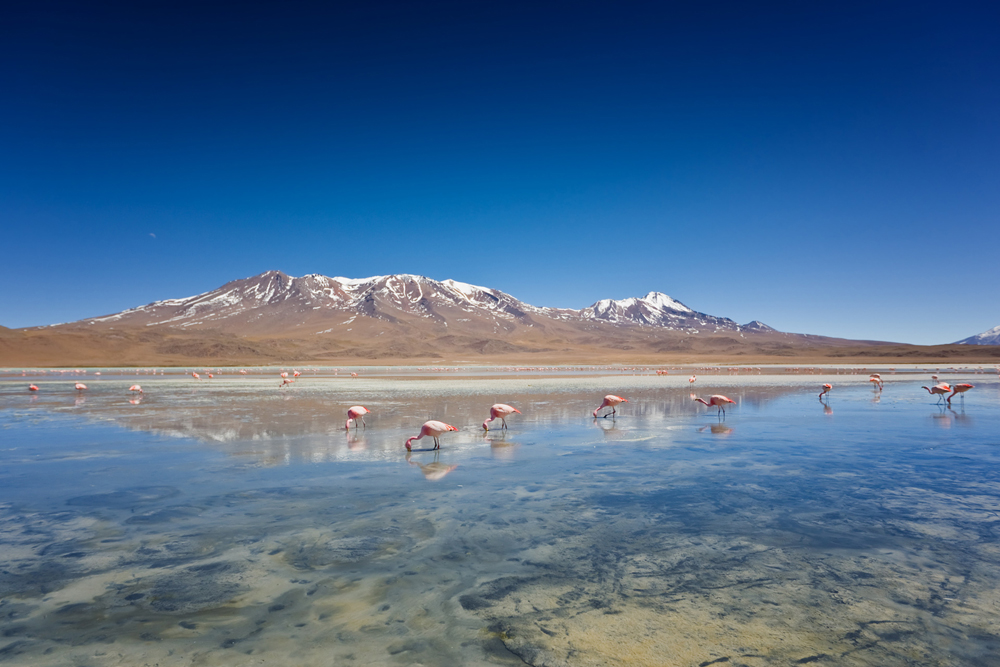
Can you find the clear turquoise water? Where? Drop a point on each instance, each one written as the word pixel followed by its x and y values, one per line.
pixel 231 523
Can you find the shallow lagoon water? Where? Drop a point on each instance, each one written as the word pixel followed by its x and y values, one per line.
pixel 231 523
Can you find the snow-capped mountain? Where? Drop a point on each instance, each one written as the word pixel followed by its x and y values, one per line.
pixel 991 337
pixel 658 310
pixel 275 303
pixel 757 326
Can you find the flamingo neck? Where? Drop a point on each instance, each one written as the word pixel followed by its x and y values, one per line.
pixel 702 400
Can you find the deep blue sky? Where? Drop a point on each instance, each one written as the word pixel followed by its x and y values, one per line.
pixel 825 167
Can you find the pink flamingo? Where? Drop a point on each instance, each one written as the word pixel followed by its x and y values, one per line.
pixel 243 372
pixel 960 389
pixel 296 374
pixel 692 379
pixel 610 401
pixel 32 387
pixel 826 389
pixel 285 374
pixel 502 411
pixel 135 387
pixel 719 401
pixel 80 386
pixel 285 382
pixel 195 376
pixel 354 413
pixel 939 389
pixel 876 382
pixel 434 429
pixel 354 375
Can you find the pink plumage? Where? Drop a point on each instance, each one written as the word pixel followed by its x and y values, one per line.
pixel 354 413
pixel 434 429
pixel 611 401
pixel 500 411
pixel 718 401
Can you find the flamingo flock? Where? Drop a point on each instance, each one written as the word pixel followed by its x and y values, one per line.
pixel 435 429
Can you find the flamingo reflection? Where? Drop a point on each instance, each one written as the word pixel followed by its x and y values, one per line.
pixel 432 471
pixel 356 442
pixel 500 447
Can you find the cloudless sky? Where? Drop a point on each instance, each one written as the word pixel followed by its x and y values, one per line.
pixel 824 167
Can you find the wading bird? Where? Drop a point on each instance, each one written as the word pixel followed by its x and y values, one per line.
pixel 32 387
pixel 692 379
pixel 135 388
pixel 354 413
pixel 826 389
pixel 960 389
pixel 939 390
pixel 719 401
pixel 80 386
pixel 876 382
pixel 434 429
pixel 610 401
pixel 501 411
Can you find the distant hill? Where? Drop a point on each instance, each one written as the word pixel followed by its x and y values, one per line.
pixel 276 318
pixel 991 337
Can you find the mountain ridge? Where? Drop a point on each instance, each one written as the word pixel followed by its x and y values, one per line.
pixel 396 297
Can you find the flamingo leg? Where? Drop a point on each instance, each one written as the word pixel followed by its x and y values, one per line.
pixel 362 421
pixel 504 422
pixel 437 443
